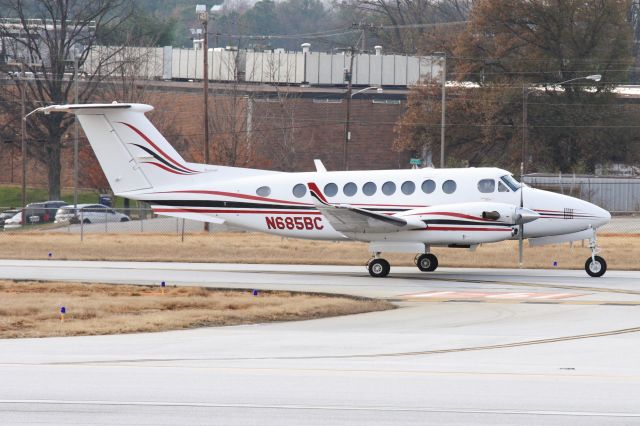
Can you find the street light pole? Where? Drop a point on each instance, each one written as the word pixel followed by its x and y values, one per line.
pixel 75 140
pixel 526 89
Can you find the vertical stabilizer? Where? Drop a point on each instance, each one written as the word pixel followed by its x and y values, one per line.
pixel 131 151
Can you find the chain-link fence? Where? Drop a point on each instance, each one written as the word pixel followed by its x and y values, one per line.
pixel 96 219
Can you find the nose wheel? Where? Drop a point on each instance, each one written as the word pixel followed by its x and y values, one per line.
pixel 595 265
pixel 378 268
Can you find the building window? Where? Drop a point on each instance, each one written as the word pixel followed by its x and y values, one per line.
pixel 350 189
pixel 408 187
pixel 428 186
pixel 299 190
pixel 449 187
pixel 389 188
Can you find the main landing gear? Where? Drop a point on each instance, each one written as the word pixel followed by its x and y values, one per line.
pixel 595 265
pixel 426 262
pixel 379 268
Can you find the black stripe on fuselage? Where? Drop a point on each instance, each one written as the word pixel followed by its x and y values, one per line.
pixel 243 205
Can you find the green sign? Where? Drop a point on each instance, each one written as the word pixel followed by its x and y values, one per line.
pixel 415 161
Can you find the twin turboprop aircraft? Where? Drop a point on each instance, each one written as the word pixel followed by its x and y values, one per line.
pixel 407 211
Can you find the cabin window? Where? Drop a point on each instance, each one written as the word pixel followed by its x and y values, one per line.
pixel 299 190
pixel 408 187
pixel 428 186
pixel 350 189
pixel 502 187
pixel 388 188
pixel 263 191
pixel 486 185
pixel 369 188
pixel 330 189
pixel 449 186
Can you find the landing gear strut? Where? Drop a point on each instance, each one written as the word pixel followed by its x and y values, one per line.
pixel 427 262
pixel 378 268
pixel 595 265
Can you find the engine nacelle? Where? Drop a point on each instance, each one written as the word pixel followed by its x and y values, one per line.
pixel 470 223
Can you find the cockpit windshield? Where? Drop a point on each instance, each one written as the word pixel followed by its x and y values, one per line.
pixel 511 182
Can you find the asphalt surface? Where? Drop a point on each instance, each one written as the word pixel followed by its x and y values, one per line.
pixel 465 346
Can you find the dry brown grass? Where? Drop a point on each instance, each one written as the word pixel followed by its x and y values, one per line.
pixel 621 251
pixel 32 309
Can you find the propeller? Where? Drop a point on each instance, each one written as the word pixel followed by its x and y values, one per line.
pixel 521 226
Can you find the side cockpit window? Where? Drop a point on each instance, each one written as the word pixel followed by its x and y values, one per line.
pixel 486 186
pixel 502 187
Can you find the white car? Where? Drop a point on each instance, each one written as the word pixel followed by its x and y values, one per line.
pixel 14 222
pixel 89 213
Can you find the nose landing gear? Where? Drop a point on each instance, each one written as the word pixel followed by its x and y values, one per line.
pixel 595 265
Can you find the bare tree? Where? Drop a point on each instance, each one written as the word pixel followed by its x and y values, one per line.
pixel 41 41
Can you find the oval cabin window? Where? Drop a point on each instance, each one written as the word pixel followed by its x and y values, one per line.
pixel 449 187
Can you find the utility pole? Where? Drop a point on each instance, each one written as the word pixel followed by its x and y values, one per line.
pixel 23 141
pixel 347 130
pixel 203 16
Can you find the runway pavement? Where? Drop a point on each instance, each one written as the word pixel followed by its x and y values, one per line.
pixel 465 346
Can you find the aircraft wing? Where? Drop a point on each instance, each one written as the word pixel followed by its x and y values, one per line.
pixel 345 218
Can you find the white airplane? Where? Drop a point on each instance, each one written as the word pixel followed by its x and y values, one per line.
pixel 407 211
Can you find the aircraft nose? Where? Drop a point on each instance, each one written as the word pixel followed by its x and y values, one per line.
pixel 602 216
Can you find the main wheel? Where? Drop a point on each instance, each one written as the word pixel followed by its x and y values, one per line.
pixel 427 262
pixel 378 268
pixel 86 221
pixel 595 268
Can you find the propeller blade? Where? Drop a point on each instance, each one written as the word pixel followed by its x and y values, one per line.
pixel 520 242
pixel 521 227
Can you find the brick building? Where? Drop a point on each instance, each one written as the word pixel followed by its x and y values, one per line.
pixel 282 128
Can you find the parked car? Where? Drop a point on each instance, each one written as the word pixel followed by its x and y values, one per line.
pixel 89 213
pixel 14 222
pixel 8 214
pixel 42 212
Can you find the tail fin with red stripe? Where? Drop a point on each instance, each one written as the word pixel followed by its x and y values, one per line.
pixel 131 151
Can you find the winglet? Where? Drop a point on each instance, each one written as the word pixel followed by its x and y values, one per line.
pixel 316 193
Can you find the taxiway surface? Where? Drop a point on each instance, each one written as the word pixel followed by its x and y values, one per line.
pixel 465 346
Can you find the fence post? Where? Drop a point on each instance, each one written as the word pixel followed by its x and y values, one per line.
pixel 81 226
pixel 183 230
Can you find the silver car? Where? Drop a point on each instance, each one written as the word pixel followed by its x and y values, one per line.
pixel 89 213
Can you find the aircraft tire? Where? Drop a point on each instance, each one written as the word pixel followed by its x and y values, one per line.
pixel 427 262
pixel 378 268
pixel 597 268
